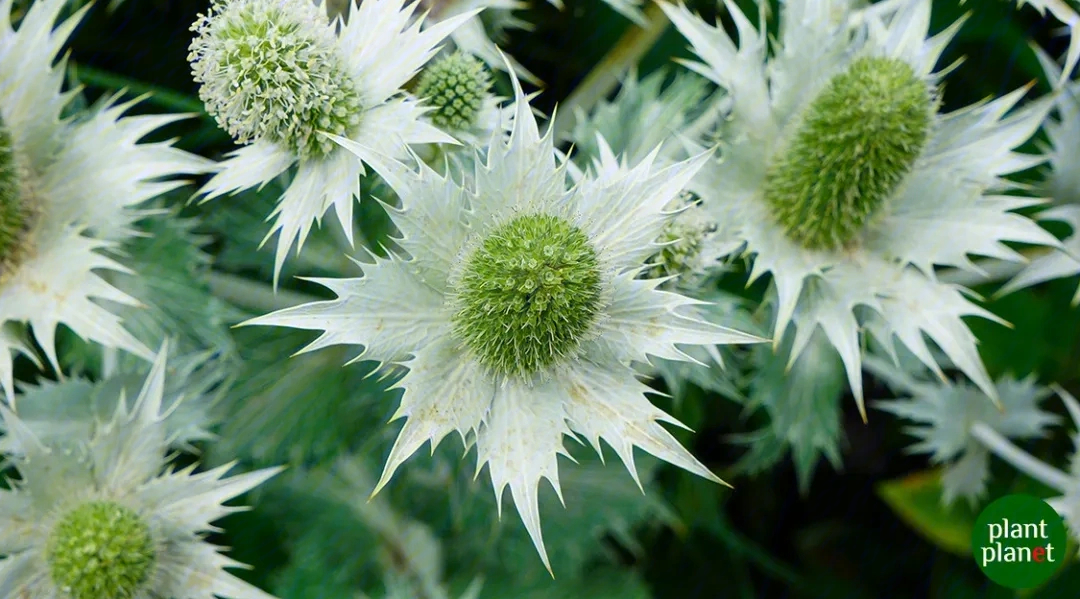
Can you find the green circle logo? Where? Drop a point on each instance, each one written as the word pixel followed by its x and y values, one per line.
pixel 1019 541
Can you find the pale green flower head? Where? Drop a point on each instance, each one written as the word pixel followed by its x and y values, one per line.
pixel 518 311
pixel 841 179
pixel 456 86
pixel 103 516
pixel 68 191
pixel 280 76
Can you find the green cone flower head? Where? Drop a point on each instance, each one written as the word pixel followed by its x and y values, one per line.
pixel 838 169
pixel 100 516
pixel 69 189
pixel 521 310
pixel 286 81
pixel 456 86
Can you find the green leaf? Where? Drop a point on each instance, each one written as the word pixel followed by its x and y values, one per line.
pixel 302 409
pixel 916 499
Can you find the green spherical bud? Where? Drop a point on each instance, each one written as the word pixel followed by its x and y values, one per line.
pixel 682 239
pixel 856 142
pixel 528 294
pixel 100 549
pixel 456 86
pixel 16 211
pixel 271 70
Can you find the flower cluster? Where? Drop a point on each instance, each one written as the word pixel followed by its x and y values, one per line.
pixel 509 279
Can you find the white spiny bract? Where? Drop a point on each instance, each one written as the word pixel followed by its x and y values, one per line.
pixel 845 184
pixel 944 413
pixel 1066 482
pixel 68 187
pixel 279 75
pixel 473 38
pixel 518 312
pixel 103 516
pixel 1070 18
pixel 1063 185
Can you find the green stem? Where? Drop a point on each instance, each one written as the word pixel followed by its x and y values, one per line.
pixel 254 295
pixel 604 77
pixel 165 98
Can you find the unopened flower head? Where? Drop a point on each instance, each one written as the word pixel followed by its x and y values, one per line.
pixel 456 86
pixel 685 242
pixel 100 516
pixel 67 189
pixel 521 310
pixel 281 77
pixel 843 181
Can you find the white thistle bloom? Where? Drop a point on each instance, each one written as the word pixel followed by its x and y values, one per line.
pixel 67 189
pixel 1063 186
pixel 518 312
pixel 1065 482
pixel 845 183
pixel 457 87
pixel 102 516
pixel 278 75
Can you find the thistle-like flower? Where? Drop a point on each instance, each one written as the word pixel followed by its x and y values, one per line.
pixel 100 517
pixel 278 75
pixel 476 39
pixel 845 183
pixel 67 187
pixel 518 311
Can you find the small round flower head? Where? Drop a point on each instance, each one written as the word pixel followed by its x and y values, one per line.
pixel 843 181
pixel 101 516
pixel 455 86
pixel 67 189
pixel 519 311
pixel 478 37
pixel 280 77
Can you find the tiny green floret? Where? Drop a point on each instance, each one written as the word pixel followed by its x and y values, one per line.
pixel 856 142
pixel 456 86
pixel 270 70
pixel 528 294
pixel 14 214
pixel 100 549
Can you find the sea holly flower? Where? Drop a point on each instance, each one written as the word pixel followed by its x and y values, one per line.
pixel 518 311
pixel 845 183
pixel 101 516
pixel 67 189
pixel 279 74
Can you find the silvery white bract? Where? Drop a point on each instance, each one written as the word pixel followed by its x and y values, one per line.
pixel 944 414
pixel 1063 186
pixel 277 75
pixel 67 189
pixel 471 36
pixel 518 311
pixel 1067 15
pixel 103 516
pixel 1065 482
pixel 844 183
pixel 631 9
